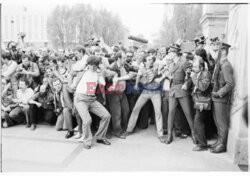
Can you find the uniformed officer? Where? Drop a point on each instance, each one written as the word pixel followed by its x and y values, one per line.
pixel 223 86
pixel 179 93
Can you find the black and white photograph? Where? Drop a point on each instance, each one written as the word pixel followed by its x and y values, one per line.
pixel 124 86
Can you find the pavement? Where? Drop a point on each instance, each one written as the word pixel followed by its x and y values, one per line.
pixel 46 149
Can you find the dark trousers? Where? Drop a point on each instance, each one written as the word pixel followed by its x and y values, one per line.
pixel 14 117
pixel 210 128
pixel 119 110
pixel 221 119
pixel 185 103
pixel 164 109
pixel 41 114
pixel 180 122
pixel 199 127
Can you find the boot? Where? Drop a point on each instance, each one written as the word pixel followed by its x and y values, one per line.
pixel 220 148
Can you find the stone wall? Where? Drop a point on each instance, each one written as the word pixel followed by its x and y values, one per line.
pixel 231 21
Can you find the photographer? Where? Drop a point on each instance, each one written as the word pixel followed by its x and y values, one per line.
pixel 28 70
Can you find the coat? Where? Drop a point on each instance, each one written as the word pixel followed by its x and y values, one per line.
pixel 178 72
pixel 224 82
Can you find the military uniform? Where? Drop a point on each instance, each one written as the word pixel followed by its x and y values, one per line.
pixel 223 86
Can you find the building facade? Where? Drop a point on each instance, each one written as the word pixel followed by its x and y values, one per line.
pixel 16 19
pixel 229 22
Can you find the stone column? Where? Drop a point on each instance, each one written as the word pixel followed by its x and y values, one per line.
pixel 214 19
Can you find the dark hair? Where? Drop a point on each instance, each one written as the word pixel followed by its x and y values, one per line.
pixel 80 49
pixel 93 60
pixel 202 53
pixel 25 80
pixel 144 57
pixel 6 55
pixel 201 63
pixel 25 56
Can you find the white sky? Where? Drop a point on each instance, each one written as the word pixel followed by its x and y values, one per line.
pixel 139 18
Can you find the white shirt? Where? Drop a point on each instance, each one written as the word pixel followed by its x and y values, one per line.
pixel 24 96
pixel 89 82
pixel 80 65
pixel 9 70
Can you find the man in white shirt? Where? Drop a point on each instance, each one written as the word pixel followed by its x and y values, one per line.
pixel 85 101
pixel 23 96
pixel 82 56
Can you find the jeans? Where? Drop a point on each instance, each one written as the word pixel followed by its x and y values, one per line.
pixel 83 106
pixel 143 99
pixel 119 110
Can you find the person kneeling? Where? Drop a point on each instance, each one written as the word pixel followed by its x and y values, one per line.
pixel 42 106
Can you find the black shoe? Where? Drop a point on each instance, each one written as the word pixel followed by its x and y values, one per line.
pixel 220 148
pixel 33 127
pixel 86 146
pixel 69 134
pixel 199 148
pixel 103 141
pixel 28 125
pixel 169 138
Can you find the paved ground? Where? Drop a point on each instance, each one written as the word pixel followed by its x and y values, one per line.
pixel 46 150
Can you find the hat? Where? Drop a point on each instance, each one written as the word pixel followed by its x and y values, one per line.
pixel 214 40
pixel 174 48
pixel 202 40
pixel 93 60
pixel 225 46
pixel 196 40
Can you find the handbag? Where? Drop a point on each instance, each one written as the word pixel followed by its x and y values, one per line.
pixel 201 102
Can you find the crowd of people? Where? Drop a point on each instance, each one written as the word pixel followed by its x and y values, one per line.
pixel 101 89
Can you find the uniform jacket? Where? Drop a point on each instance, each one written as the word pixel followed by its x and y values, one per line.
pixel 224 82
pixel 178 72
